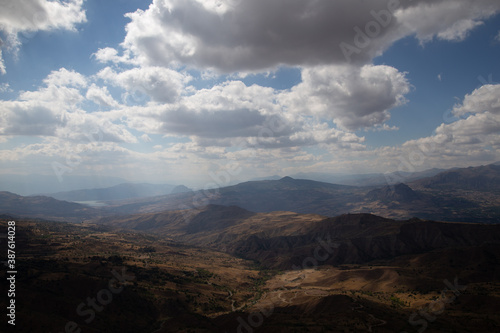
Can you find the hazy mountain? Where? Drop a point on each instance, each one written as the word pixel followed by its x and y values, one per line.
pixel 286 194
pixel 118 192
pixel 460 195
pixel 37 184
pixel 482 178
pixel 399 192
pixel 399 201
pixel 275 177
pixel 370 179
pixel 180 189
pixel 44 207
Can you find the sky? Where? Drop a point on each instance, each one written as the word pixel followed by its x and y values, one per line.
pixel 211 92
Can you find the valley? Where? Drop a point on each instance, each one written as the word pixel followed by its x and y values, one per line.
pixel 286 255
pixel 230 270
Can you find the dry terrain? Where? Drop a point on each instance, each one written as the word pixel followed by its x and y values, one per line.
pixel 173 285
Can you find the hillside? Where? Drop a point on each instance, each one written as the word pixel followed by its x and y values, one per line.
pixel 183 271
pixel 44 208
pixel 283 239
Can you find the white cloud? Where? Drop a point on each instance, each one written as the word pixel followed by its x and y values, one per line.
pixel 352 97
pixel 32 15
pixel 29 16
pixel 101 96
pixel 235 115
pixel 483 99
pixel 109 54
pixel 473 137
pixel 385 127
pixel 63 77
pixel 5 87
pixel 308 125
pixel 160 84
pixel 93 127
pixel 232 36
pixel 225 111
pixel 447 19
pixel 146 138
pixel 55 110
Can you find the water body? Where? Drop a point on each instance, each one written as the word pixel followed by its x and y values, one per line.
pixel 92 203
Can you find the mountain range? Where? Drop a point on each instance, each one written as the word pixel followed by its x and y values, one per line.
pixel 439 197
pixel 370 179
pixel 279 255
pixel 119 192
pixel 461 195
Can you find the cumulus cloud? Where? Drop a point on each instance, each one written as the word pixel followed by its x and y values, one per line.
pixel 160 84
pixel 353 97
pixel 232 114
pixel 224 111
pixel 101 96
pixel 231 36
pixel 478 128
pixel 30 16
pixel 228 36
pixel 483 99
pixel 63 77
pixel 109 54
pixel 55 110
pixel 447 19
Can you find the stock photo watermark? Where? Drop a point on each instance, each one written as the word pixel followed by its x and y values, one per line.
pixel 365 35
pixel 10 263
pixel 429 312
pixel 322 252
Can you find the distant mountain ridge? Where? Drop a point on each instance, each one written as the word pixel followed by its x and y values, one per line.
pixel 368 179
pixel 119 192
pixel 399 201
pixel 285 194
pixel 458 195
pixel 482 178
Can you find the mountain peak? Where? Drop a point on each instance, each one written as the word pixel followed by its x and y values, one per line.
pixel 287 179
pixel 180 189
pixel 399 192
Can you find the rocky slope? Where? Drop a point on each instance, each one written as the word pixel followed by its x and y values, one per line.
pixel 284 239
